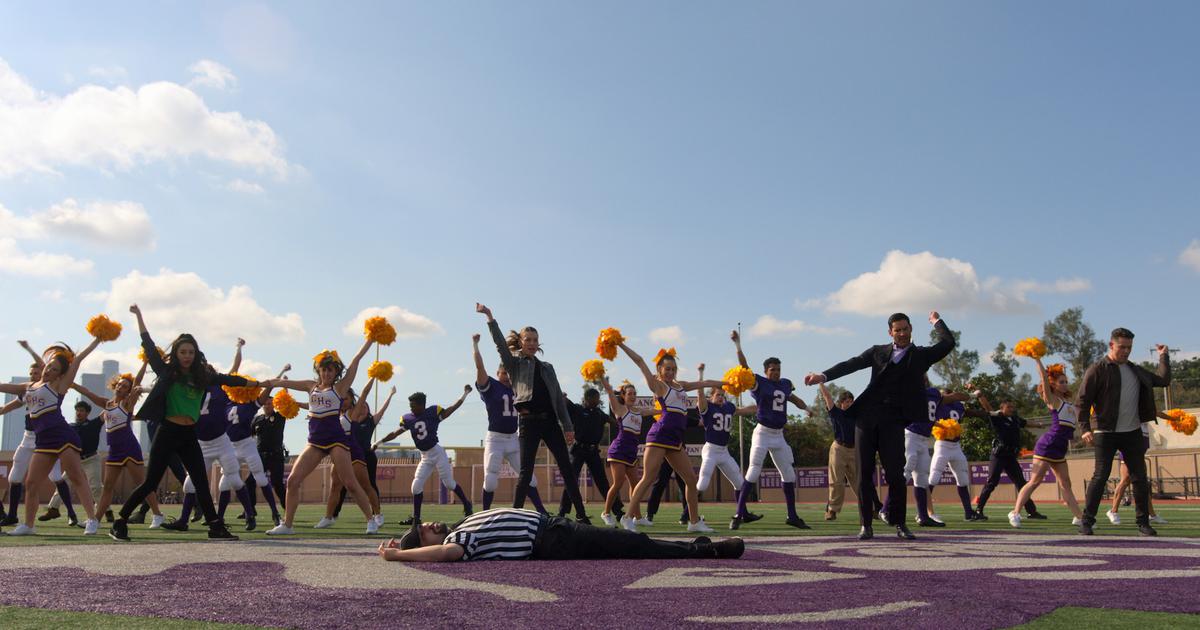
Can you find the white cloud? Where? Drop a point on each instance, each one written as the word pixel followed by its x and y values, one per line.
pixel 923 281
pixel 93 296
pixel 117 224
pixel 258 37
pixel 408 324
pixel 15 261
pixel 209 73
pixel 254 369
pixel 109 74
pixel 1190 256
pixel 672 335
pixel 122 127
pixel 174 302
pixel 51 295
pixel 242 186
pixel 770 326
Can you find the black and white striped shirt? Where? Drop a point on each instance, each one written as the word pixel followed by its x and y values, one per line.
pixel 499 534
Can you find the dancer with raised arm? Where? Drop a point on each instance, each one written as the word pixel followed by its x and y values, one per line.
pixel 894 397
pixel 664 440
pixel 176 401
pixel 622 450
pixel 325 434
pixel 1050 452
pixel 543 414
pixel 500 444
pixel 124 451
pixel 717 414
pixel 355 412
pixel 772 392
pixel 24 453
pixel 239 426
pixel 843 458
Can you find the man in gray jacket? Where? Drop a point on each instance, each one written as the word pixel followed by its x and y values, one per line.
pixel 542 409
pixel 1122 397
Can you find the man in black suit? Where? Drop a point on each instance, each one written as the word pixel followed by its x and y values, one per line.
pixel 894 397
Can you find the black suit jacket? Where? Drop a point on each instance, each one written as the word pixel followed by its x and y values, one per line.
pixel 916 362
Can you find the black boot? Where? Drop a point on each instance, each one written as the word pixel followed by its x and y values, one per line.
pixel 866 533
pixel 217 531
pixel 119 530
pixel 903 533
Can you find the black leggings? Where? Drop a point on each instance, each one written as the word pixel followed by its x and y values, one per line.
pixel 660 486
pixel 170 440
pixel 273 465
pixel 562 539
pixel 1004 464
pixel 372 466
pixel 586 455
pixel 533 430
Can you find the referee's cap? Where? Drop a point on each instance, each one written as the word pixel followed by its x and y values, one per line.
pixel 412 538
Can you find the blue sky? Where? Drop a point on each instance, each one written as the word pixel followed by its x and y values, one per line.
pixel 678 167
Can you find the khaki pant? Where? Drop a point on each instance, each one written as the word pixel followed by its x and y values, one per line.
pixel 93 467
pixel 843 469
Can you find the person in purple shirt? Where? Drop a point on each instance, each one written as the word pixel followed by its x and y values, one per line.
pixel 422 423
pixel 843 458
pixel 717 414
pixel 772 393
pixel 501 443
pixel 918 439
pixel 239 425
pixel 949 452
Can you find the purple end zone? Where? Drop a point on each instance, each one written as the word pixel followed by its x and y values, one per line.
pixel 942 580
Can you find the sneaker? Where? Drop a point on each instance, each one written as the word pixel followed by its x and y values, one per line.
pixel 608 519
pixel 930 523
pixel 280 530
pixel 468 509
pixel 108 516
pixel 1076 521
pixel 241 517
pixel 157 521
pixel 1158 520
pixel 883 515
pixel 119 530
pixel 830 515
pixel 1113 517
pixel 583 520
pixel 372 526
pixel 700 526
pixel 49 515
pixel 683 519
pixel 197 515
pixel 1014 519
pixel 750 517
pixel 1037 516
pixel 1146 530
pixel 970 516
pixel 629 523
pixel 736 522
pixel 176 525
pixel 644 522
pixel 980 516
pixel 276 519
pixel 11 519
pixel 730 548
pixel 251 523
pixel 22 530
pixel 798 523
pixel 218 532
pixel 138 518
pixel 1085 528
pixel 73 522
pixel 90 527
pixel 937 518
pixel 379 518
pixel 408 521
pixel 325 523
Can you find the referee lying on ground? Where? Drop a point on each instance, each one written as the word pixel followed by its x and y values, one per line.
pixel 513 534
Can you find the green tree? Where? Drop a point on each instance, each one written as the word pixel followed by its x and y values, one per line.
pixel 809 439
pixel 1070 337
pixel 955 370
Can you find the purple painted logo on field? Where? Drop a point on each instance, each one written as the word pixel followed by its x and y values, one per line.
pixel 942 580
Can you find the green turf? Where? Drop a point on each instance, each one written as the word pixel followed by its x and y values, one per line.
pixel 1069 618
pixel 16 618
pixel 1184 521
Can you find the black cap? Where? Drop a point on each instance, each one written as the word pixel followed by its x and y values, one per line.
pixel 412 538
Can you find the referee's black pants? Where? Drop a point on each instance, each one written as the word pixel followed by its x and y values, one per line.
pixel 273 465
pixel 532 430
pixel 563 539
pixel 587 455
pixel 1007 463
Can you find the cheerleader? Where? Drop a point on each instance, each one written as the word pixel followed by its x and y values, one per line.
pixel 622 451
pixel 664 440
pixel 176 401
pixel 24 453
pixel 355 412
pixel 1050 452
pixel 325 434
pixel 55 440
pixel 124 451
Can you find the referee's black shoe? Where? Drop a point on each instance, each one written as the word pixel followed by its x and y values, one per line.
pixel 119 530
pixel 866 533
pixel 928 522
pixel 903 533
pixel 583 520
pixel 407 521
pixel 1146 530
pixel 1037 516
pixel 798 523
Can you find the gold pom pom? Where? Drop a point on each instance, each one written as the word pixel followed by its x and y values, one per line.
pixel 947 429
pixel 592 370
pixel 380 371
pixel 243 394
pixel 285 405
pixel 1181 421
pixel 1031 347
pixel 737 380
pixel 379 330
pixel 332 354
pixel 606 343
pixel 664 353
pixel 103 328
pixel 142 354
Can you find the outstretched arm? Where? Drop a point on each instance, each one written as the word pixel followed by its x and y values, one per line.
pixel 433 553
pixel 89 394
pixel 12 405
pixel 825 395
pixel 389 437
pixel 458 403
pixel 658 387
pixel 16 389
pixel 796 400
pixel 37 358
pixel 481 375
pixel 1048 396
pixel 299 386
pixel 737 343
pixel 358 412
pixel 237 356
pixel 506 355
pixel 68 377
pixel 945 342
pixel 614 401
pixel 148 350
pixel 343 385
pixel 270 384
pixel 701 401
pixel 384 407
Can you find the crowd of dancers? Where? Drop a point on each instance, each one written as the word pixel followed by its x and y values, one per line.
pixel 198 416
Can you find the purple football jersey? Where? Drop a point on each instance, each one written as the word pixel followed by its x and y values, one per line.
pixel 498 398
pixel 238 420
pixel 954 410
pixel 772 399
pixel 718 421
pixel 211 424
pixel 925 427
pixel 423 427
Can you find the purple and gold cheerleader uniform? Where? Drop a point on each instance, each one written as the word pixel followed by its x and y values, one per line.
pixel 1053 445
pixel 324 420
pixel 123 446
pixel 52 432
pixel 623 448
pixel 667 430
pixel 357 454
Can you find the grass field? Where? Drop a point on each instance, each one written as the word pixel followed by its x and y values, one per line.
pixel 1184 521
